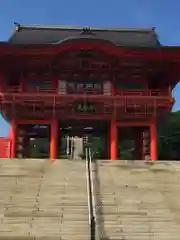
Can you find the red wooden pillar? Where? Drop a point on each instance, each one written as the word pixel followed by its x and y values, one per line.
pixel 1 81
pixel 113 140
pixel 113 128
pixel 153 142
pixel 22 83
pixel 113 91
pixel 53 139
pixel 13 138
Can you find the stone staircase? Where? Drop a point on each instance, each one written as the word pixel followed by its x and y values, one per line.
pixel 43 200
pixel 137 200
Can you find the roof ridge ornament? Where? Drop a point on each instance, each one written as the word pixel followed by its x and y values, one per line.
pixel 87 31
pixel 17 26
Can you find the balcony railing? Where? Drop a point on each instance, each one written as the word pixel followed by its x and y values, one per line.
pixel 85 91
pixel 142 92
pixel 125 93
pixel 40 90
pixel 29 90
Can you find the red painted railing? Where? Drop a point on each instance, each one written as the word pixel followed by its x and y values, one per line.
pixel 142 92
pixel 85 91
pixel 130 92
pixel 40 90
pixel 29 90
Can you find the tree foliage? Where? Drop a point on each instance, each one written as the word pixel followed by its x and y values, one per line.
pixel 169 137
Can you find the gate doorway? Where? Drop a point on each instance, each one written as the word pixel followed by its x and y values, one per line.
pixel 76 135
pixel 74 147
pixel 33 141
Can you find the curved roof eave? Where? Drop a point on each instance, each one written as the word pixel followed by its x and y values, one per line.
pixel 84 38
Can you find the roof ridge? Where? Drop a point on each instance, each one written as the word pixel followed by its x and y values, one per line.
pixel 60 27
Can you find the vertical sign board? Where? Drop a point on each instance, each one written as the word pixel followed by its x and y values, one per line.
pixel 107 88
pixel 62 87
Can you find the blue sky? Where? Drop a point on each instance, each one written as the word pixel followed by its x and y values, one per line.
pixel 163 14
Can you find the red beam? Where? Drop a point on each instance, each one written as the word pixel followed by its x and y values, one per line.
pixel 49 50
pixel 133 124
pixel 33 121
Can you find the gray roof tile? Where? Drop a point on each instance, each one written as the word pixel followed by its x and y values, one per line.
pixel 55 35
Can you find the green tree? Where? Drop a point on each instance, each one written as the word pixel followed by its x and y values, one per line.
pixel 169 137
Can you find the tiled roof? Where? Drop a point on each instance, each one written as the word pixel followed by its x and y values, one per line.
pixel 57 34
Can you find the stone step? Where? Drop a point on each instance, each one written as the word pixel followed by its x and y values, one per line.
pixel 41 200
pixel 138 201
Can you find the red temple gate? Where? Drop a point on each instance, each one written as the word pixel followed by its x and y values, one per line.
pixel 90 78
